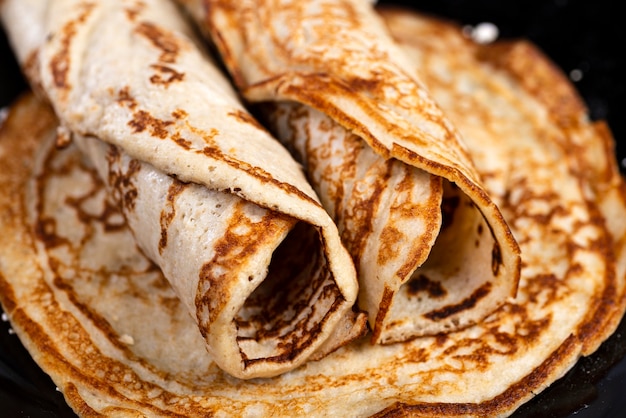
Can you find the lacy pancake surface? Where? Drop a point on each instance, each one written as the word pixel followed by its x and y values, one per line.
pixel 104 323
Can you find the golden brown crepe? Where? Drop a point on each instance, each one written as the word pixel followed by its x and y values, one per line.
pixel 101 319
pixel 432 250
pixel 543 104
pixel 210 196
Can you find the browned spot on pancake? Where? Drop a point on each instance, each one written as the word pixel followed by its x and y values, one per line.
pixel 182 142
pixel 131 191
pixel 161 39
pixel 122 182
pixel 169 211
pixel 383 308
pixel 165 75
pixel 207 136
pixel 7 296
pixel 544 287
pixel 372 84
pixel 179 114
pixel 245 117
pixel 172 304
pixel 125 99
pixel 142 121
pixel 110 216
pixel 390 238
pixel 45 230
pixel 135 10
pixel 532 330
pixel 421 283
pixel 479 232
pixel 465 304
pixel 441 339
pixel 60 62
pixel 496 259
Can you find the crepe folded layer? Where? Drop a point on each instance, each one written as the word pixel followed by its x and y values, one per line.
pixel 432 250
pixel 211 198
pixel 102 320
pixel 515 91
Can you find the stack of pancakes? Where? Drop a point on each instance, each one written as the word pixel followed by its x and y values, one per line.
pixel 410 223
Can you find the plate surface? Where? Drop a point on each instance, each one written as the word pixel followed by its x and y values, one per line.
pixel 584 39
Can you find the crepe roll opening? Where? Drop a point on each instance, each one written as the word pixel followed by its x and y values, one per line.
pixel 460 271
pixel 285 313
pixel 257 282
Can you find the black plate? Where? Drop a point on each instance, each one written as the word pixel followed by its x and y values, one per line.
pixel 584 37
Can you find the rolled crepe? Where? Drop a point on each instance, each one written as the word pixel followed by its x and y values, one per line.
pixel 432 250
pixel 210 196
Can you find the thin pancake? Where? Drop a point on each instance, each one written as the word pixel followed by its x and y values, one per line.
pixel 209 195
pixel 541 103
pixel 103 327
pixel 432 250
